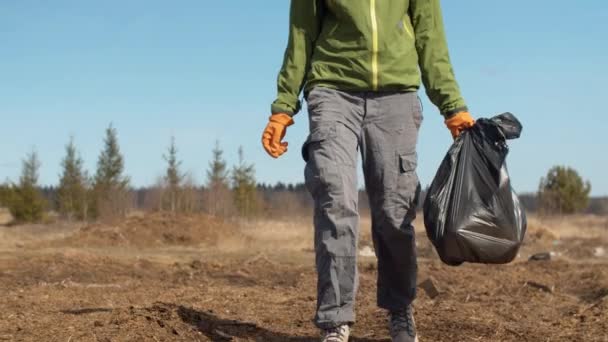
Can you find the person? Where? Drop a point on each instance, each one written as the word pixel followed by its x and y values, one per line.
pixel 360 64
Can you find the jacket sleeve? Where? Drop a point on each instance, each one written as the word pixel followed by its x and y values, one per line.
pixel 304 27
pixel 433 57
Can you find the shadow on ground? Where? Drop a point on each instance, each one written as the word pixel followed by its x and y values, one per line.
pixel 218 329
pixel 85 311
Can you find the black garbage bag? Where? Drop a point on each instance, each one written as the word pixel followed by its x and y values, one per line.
pixel 471 212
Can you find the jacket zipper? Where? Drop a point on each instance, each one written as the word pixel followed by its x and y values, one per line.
pixel 372 8
pixel 406 26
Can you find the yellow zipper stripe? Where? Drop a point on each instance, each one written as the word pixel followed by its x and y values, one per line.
pixel 372 9
pixel 407 28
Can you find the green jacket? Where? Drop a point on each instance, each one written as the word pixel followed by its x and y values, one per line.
pixel 367 45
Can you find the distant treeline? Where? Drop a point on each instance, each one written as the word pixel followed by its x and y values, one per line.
pixel 283 199
pixel 106 193
pixel 596 206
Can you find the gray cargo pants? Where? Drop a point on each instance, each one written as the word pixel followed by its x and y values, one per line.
pixel 384 128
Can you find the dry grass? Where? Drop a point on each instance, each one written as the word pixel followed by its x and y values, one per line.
pixel 576 226
pixel 16 236
pixel 5 216
pixel 295 234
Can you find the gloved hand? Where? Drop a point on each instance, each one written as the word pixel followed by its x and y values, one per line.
pixel 274 133
pixel 459 122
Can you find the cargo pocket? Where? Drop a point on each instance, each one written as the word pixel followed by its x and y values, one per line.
pixel 318 135
pixel 320 173
pixel 408 162
pixel 408 187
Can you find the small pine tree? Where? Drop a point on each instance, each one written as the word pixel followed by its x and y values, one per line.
pixel 218 171
pixel 217 195
pixel 244 186
pixel 563 191
pixel 110 189
pixel 173 177
pixel 26 202
pixel 73 185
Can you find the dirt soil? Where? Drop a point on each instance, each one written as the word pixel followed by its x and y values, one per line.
pixel 196 278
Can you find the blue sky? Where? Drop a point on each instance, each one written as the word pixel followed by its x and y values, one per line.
pixel 203 70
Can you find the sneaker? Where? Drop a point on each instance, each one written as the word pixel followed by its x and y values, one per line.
pixel 337 334
pixel 402 326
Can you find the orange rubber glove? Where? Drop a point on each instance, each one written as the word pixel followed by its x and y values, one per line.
pixel 459 122
pixel 274 133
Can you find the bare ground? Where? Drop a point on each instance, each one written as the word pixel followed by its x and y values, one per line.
pixel 197 278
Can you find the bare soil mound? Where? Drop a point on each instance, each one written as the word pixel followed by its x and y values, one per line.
pixel 152 230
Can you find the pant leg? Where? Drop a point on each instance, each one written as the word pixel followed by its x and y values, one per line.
pixel 390 133
pixel 331 178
